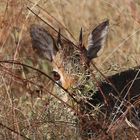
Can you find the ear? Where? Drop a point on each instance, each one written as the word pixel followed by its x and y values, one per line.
pixel 43 42
pixel 96 40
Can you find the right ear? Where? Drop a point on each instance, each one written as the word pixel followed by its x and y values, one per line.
pixel 96 40
pixel 43 42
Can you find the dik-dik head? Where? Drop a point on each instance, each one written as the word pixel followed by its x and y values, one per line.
pixel 66 58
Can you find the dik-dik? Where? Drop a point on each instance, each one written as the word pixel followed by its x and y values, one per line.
pixel 114 95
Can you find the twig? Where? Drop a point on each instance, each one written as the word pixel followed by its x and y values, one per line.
pixel 52 27
pixel 24 65
pixel 14 131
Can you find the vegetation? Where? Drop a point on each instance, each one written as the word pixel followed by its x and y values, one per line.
pixel 30 108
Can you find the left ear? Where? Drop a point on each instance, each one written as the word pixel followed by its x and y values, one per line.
pixel 96 40
pixel 43 42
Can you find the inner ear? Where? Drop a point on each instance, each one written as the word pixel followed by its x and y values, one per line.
pixel 96 40
pixel 43 42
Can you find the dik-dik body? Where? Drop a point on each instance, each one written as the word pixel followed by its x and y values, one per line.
pixel 114 95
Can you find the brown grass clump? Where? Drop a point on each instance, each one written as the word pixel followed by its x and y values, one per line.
pixel 29 107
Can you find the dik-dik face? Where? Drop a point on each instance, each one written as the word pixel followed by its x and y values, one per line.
pixel 66 58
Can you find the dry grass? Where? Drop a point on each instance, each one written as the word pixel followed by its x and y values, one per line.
pixel 24 116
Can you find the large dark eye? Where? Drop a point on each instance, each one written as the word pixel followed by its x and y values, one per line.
pixel 55 75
